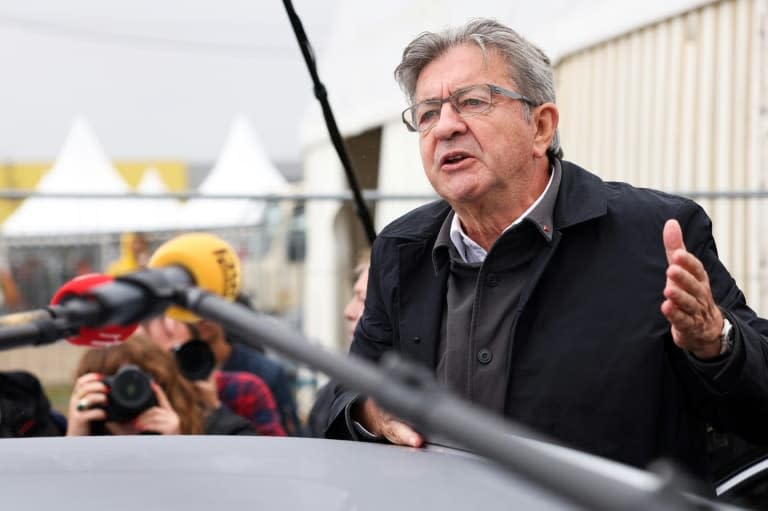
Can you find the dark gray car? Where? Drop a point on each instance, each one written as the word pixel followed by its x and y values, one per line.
pixel 205 473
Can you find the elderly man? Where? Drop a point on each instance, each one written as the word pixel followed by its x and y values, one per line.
pixel 596 313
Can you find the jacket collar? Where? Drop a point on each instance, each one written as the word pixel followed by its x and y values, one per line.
pixel 582 197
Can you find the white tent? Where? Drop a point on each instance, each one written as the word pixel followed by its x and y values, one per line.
pixel 81 167
pixel 243 168
pixel 155 213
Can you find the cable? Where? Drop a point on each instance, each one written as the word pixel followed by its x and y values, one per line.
pixel 333 130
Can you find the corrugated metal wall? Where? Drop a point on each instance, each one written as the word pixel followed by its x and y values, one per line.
pixel 679 106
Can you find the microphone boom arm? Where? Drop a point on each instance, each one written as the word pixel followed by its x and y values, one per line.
pixel 403 388
pixel 321 94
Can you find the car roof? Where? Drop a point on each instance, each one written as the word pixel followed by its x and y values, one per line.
pixel 218 472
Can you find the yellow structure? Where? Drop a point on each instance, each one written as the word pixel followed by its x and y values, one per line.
pixel 18 176
pixel 25 176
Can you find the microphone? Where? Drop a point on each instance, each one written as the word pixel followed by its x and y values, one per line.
pixel 190 261
pixel 195 260
pixel 43 326
pixel 89 336
pixel 211 262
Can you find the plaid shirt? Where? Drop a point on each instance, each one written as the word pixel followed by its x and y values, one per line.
pixel 248 396
pixel 245 358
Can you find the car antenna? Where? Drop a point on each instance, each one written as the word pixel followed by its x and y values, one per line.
pixel 321 94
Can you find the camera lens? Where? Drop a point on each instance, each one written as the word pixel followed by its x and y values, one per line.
pixel 195 359
pixel 130 393
pixel 131 387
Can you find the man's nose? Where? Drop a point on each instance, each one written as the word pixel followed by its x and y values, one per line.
pixel 449 123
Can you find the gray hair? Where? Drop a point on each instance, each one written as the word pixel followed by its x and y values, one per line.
pixel 529 67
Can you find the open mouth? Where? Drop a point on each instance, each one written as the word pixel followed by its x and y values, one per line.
pixel 454 158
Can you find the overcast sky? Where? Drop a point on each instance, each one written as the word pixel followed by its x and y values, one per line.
pixel 156 79
pixel 165 78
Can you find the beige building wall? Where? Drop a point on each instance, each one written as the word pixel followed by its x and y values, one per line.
pixel 679 106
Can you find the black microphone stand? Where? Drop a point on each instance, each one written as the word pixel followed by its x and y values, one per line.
pixel 407 390
pixel 333 131
pixel 126 300
pixel 60 322
pixel 410 392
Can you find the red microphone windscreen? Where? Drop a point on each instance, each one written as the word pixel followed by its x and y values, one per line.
pixel 87 336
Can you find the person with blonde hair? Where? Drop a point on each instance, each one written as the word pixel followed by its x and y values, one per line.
pixel 354 308
pixel 134 254
pixel 321 409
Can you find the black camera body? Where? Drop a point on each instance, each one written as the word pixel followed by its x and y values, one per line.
pixel 195 359
pixel 130 393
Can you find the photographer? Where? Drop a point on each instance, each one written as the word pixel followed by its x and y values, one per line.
pixel 174 405
pixel 244 393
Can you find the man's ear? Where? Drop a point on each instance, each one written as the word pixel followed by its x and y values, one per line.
pixel 545 119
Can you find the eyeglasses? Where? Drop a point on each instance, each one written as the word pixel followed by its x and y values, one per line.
pixel 469 101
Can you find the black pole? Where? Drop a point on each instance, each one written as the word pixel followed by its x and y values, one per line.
pixel 411 393
pixel 45 326
pixel 330 121
pixel 408 391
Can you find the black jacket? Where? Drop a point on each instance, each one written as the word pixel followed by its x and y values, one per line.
pixel 593 362
pixel 223 421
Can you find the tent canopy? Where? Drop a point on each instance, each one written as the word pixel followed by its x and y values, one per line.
pixel 243 168
pixel 155 213
pixel 81 167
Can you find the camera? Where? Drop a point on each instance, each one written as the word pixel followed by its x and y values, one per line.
pixel 130 393
pixel 195 359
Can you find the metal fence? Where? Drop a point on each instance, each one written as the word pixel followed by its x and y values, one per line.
pixel 34 267
pixel 272 255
